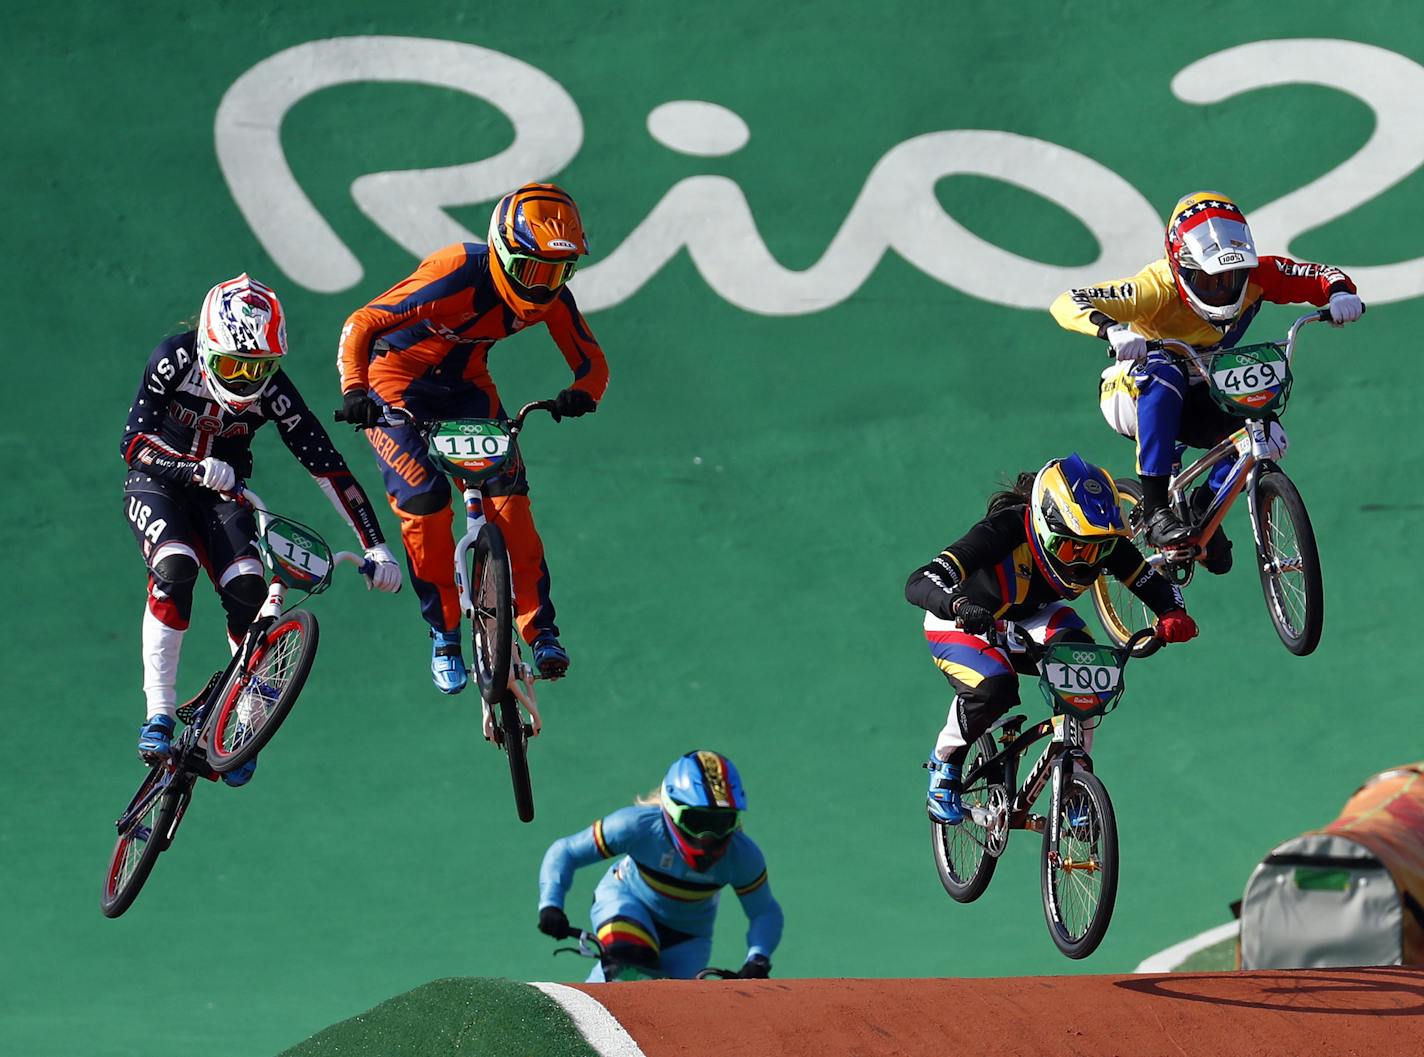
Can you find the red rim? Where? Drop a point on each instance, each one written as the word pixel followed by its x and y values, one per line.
pixel 235 690
pixel 125 841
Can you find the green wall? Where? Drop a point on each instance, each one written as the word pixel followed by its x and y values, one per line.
pixel 728 535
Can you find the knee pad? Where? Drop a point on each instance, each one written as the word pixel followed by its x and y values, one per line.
pixel 979 707
pixel 633 955
pixel 426 503
pixel 246 590
pixel 175 568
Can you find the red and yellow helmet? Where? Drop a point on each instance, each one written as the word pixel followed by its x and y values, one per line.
pixel 535 239
pixel 1211 253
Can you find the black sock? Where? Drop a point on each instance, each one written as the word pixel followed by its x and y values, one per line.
pixel 1154 491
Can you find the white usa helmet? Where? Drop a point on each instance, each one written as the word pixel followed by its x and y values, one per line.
pixel 242 337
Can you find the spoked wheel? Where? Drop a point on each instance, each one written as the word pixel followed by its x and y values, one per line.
pixel 1079 872
pixel 253 702
pixel 965 855
pixel 1289 564
pixel 514 740
pixel 1120 611
pixel 145 831
pixel 493 624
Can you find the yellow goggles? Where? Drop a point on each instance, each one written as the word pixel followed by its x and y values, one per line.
pixel 242 369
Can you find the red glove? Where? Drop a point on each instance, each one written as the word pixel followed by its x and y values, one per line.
pixel 1176 626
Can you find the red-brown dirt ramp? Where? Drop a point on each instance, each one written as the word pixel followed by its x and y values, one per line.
pixel 1376 1012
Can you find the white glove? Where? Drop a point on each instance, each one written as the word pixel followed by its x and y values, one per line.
pixel 387 575
pixel 216 474
pixel 1126 343
pixel 1345 308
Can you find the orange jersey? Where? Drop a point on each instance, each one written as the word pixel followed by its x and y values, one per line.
pixel 438 324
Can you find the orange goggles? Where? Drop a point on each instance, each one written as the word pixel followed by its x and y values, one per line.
pixel 1071 551
pixel 535 271
pixel 243 369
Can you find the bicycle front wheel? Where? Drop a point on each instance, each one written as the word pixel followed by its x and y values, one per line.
pixel 1079 874
pixel 1289 564
pixel 1119 610
pixel 143 834
pixel 961 853
pixel 515 742
pixel 255 700
pixel 493 624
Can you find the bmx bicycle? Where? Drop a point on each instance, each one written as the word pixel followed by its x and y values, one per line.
pixel 590 946
pixel 1081 682
pixel 1252 382
pixel 471 451
pixel 239 710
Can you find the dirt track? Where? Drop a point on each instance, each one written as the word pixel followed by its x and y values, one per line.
pixel 1308 1012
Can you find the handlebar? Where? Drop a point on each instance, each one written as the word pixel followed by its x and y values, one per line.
pixel 394 415
pixel 1319 315
pixel 1007 635
pixel 244 496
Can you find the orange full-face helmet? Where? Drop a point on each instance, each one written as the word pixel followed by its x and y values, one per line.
pixel 535 238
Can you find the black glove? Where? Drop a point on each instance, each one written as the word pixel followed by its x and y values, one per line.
pixel 572 403
pixel 758 967
pixel 553 922
pixel 974 619
pixel 359 409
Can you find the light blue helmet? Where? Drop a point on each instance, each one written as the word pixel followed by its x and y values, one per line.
pixel 702 798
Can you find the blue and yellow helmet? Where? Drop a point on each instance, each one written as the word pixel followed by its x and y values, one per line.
pixel 702 799
pixel 1077 517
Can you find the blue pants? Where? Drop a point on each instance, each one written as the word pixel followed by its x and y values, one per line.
pixel 629 932
pixel 1173 416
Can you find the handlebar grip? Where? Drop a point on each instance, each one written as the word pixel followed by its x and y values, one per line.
pixel 1144 643
pixel 339 415
pixel 367 568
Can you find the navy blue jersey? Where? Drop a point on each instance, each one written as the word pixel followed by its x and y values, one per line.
pixel 175 423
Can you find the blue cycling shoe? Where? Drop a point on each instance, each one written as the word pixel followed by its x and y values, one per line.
pixel 550 658
pixel 447 667
pixel 240 775
pixel 943 804
pixel 155 738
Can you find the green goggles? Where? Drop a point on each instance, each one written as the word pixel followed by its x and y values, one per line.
pixel 703 822
pixel 530 272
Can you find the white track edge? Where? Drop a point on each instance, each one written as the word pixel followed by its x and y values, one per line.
pixel 593 1021
pixel 1166 960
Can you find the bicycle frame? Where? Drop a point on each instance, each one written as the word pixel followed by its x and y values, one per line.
pixel 1065 750
pixel 1249 446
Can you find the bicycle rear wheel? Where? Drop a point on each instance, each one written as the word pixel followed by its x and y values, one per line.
pixel 1119 610
pixel 492 596
pixel 1290 564
pixel 150 818
pixel 961 853
pixel 1079 872
pixel 515 742
pixel 251 705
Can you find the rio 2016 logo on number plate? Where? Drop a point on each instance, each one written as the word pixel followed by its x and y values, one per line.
pixel 472 448
pixel 1081 678
pixel 1251 380
pixel 298 558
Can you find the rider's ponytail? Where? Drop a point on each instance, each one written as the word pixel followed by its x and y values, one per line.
pixel 1016 494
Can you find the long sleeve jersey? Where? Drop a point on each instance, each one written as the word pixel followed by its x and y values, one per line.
pixel 998 565
pixel 438 325
pixel 654 874
pixel 175 423
pixel 1149 301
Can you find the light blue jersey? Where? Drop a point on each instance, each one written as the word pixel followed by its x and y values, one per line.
pixel 652 886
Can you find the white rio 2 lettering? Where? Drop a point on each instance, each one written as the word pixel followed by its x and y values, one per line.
pixel 710 216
